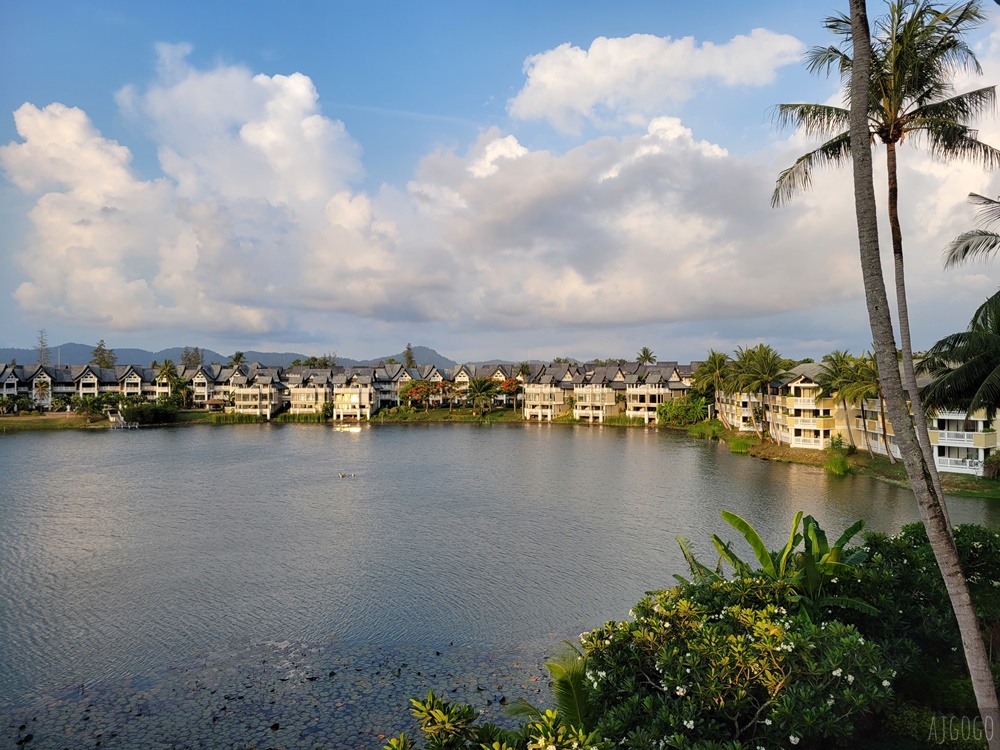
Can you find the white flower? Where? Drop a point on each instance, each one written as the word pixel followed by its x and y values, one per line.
pixel 837 672
pixel 886 683
pixel 793 739
pixel 767 722
pixel 850 679
pixel 689 724
pixel 680 690
pixel 833 580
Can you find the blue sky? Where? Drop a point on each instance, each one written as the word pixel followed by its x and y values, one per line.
pixel 520 180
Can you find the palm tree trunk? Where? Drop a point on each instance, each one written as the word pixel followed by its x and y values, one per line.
pixel 850 436
pixel 864 421
pixel 902 310
pixel 885 432
pixel 928 500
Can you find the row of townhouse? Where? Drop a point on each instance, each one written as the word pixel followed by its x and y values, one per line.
pixel 592 392
pixel 595 393
pixel 794 414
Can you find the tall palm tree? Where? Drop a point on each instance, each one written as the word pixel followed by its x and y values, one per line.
pixel 712 376
pixel 237 359
pixel 915 53
pixel 862 383
pixel 929 499
pixel 966 365
pixel 645 356
pixel 755 371
pixel 835 373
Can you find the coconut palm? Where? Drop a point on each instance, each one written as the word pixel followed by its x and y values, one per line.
pixel 754 371
pixel 645 356
pixel 480 392
pixel 966 365
pixel 168 372
pixel 928 496
pixel 834 374
pixel 916 51
pixel 237 359
pixel 712 376
pixel 88 406
pixel 42 389
pixel 862 383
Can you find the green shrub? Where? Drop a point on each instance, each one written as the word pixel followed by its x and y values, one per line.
pixel 684 411
pixel 837 464
pixel 234 418
pixel 713 429
pixel 301 418
pixel 725 661
pixel 922 729
pixel 740 445
pixel 150 413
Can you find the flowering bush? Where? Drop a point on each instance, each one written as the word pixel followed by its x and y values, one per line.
pixel 711 663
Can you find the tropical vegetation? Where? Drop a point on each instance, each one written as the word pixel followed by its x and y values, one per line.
pixel 815 644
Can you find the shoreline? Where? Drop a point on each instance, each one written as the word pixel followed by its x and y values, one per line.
pixel 860 463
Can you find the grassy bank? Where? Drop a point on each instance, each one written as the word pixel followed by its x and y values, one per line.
pixel 48 422
pixel 861 463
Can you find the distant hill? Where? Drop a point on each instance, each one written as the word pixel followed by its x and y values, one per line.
pixel 80 354
pixel 423 355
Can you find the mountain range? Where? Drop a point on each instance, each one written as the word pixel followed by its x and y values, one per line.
pixel 80 354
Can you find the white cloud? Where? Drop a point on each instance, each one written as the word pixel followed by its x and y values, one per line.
pixel 633 78
pixel 255 226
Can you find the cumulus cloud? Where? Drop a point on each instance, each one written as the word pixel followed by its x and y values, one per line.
pixel 255 224
pixel 629 79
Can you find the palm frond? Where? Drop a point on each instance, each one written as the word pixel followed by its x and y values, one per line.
pixel 811 119
pixel 798 177
pixel 989 209
pixel 971 245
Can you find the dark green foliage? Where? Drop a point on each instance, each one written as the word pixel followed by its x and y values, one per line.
pixel 713 429
pixel 682 412
pixel 158 413
pixel 991 466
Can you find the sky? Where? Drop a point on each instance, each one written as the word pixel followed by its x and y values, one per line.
pixel 517 180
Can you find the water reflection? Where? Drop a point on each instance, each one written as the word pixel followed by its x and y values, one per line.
pixel 121 552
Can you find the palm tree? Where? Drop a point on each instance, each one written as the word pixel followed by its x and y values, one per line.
pixel 645 356
pixel 168 372
pixel 862 383
pixel 42 389
pixel 481 391
pixel 88 406
pixel 916 51
pixel 966 366
pixel 835 373
pixel 929 499
pixel 712 376
pixel 755 371
pixel 236 360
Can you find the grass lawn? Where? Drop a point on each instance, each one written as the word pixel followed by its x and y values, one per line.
pixel 444 415
pixel 48 422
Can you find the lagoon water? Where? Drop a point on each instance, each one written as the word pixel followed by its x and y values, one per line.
pixel 125 552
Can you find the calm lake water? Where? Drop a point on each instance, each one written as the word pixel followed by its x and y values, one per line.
pixel 125 552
